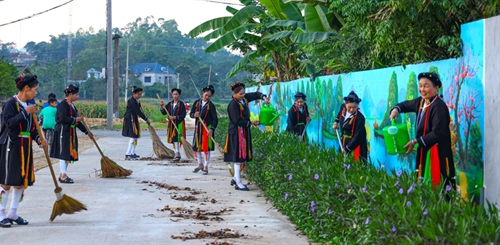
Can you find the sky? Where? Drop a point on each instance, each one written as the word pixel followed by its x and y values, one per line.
pixel 86 13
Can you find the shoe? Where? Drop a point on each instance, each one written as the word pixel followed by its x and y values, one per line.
pixel 177 158
pixel 245 188
pixel 205 172
pixel 233 182
pixel 5 223
pixel 128 157
pixel 196 170
pixel 135 156
pixel 19 221
pixel 68 180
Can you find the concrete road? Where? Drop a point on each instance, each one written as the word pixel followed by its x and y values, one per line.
pixel 129 210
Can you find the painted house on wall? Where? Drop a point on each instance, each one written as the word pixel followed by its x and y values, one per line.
pixel 151 73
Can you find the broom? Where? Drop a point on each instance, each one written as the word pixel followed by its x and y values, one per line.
pixel 159 148
pixel 109 168
pixel 64 204
pixel 188 148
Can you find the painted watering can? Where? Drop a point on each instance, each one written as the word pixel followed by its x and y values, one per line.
pixel 268 115
pixel 396 136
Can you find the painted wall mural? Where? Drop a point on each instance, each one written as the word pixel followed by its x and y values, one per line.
pixel 381 89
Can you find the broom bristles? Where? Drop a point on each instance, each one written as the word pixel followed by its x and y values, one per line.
pixel 110 169
pixel 159 148
pixel 65 205
pixel 188 149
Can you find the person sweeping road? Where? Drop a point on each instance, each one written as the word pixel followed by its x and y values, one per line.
pixel 177 112
pixel 65 145
pixel 202 142
pixel 16 136
pixel 131 126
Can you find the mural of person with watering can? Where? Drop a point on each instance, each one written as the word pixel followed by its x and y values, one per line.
pixel 434 153
pixel 352 127
pixel 298 116
pixel 238 147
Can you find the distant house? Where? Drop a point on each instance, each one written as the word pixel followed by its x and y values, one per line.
pixel 21 58
pixel 151 73
pixel 95 73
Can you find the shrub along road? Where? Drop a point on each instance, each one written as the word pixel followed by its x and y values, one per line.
pixel 161 203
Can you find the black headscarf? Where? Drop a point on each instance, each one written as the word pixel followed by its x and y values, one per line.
pixel 176 89
pixel 209 88
pixel 352 98
pixel 30 81
pixel 433 77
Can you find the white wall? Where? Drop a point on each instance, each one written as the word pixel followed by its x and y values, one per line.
pixel 492 113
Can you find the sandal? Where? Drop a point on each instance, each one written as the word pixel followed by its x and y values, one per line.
pixel 19 221
pixel 196 170
pixel 205 172
pixel 5 223
pixel 68 180
pixel 177 158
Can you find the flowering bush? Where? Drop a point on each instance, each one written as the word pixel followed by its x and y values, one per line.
pixel 336 201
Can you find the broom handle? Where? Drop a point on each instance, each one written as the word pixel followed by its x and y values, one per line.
pixel 40 134
pixel 95 142
pixel 173 123
pixel 206 128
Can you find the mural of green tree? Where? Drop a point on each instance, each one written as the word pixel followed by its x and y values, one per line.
pixel 436 70
pixel 411 93
pixel 392 100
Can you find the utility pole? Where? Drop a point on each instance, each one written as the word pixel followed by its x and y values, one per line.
pixel 126 74
pixel 116 70
pixel 109 68
pixel 210 72
pixel 178 81
pixel 168 85
pixel 70 41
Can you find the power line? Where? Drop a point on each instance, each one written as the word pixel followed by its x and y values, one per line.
pixel 221 2
pixel 29 17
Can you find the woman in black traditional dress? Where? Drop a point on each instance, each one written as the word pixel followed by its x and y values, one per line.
pixel 16 135
pixel 352 126
pixel 65 144
pixel 434 152
pixel 206 111
pixel 298 116
pixel 131 126
pixel 177 111
pixel 238 147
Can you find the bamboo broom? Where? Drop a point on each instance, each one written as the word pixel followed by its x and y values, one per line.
pixel 109 168
pixel 188 148
pixel 64 204
pixel 159 148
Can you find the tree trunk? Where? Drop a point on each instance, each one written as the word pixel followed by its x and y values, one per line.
pixel 277 65
pixel 458 135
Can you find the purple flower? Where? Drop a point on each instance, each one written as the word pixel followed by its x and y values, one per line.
pixel 401 191
pixel 336 185
pixel 304 160
pixel 397 183
pixel 348 166
pixel 363 190
pixel 260 154
pixel 290 177
pixel 330 211
pixel 410 190
pixel 313 206
pixel 286 195
pixel 312 209
pixel 399 173
pixel 272 167
pixel 414 185
pixel 382 191
pixel 408 203
pixel 448 188
pixel 393 229
pixel 316 176
pixel 293 162
pixel 426 212
pixel 367 221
